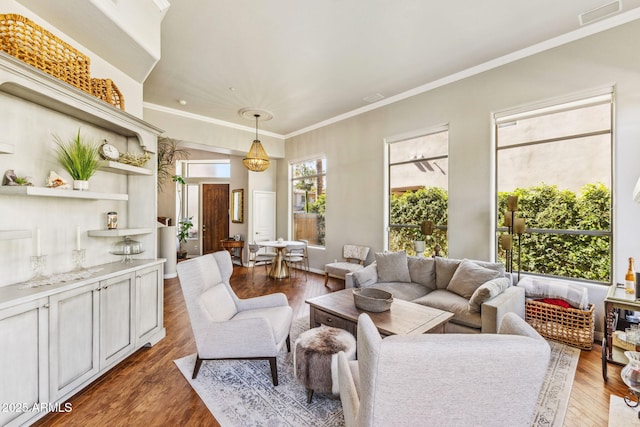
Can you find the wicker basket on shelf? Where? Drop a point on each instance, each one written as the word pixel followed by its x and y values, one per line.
pixel 106 90
pixel 32 44
pixel 570 326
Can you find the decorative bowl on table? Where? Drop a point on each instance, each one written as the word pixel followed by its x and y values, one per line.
pixel 371 299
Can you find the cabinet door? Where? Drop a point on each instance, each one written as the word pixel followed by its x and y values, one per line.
pixel 73 334
pixel 116 319
pixel 149 305
pixel 24 360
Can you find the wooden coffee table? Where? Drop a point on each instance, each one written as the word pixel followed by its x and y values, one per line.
pixel 404 318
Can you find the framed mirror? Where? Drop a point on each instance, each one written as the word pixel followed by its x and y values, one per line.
pixel 237 206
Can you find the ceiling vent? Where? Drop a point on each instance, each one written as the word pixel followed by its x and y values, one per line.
pixel 600 12
pixel 373 98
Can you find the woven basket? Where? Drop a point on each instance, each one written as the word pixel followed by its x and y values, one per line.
pixel 371 299
pixel 30 43
pixel 106 90
pixel 570 326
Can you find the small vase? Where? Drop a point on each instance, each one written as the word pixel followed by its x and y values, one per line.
pixel 80 185
pixel 418 246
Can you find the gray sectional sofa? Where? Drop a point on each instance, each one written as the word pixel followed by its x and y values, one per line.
pixel 478 293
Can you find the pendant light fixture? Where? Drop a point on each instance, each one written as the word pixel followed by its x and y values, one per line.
pixel 257 159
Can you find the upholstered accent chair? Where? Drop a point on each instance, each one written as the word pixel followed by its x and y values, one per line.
pixel 225 326
pixel 354 258
pixel 444 379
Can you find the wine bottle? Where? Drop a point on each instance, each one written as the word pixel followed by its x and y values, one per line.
pixel 630 278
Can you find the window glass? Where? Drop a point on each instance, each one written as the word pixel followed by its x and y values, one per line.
pixel 418 192
pixel 559 164
pixel 308 196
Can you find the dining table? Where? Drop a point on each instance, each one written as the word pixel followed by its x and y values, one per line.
pixel 279 268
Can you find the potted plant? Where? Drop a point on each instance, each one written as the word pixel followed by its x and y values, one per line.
pixel 185 225
pixel 80 160
pixel 426 229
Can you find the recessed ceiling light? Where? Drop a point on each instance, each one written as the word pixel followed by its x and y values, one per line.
pixel 232 89
pixel 182 102
pixel 373 98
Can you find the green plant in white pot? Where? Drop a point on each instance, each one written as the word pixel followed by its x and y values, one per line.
pixel 78 158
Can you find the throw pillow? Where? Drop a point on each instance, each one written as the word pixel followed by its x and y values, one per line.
pixel 365 277
pixel 444 271
pixel 393 267
pixel 468 277
pixel 423 271
pixel 487 291
pixel 218 303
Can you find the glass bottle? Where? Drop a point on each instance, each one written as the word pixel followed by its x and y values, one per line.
pixel 630 278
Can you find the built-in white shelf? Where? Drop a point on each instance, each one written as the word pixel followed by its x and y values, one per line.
pixel 14 234
pixel 119 232
pixel 122 168
pixel 56 192
pixel 6 148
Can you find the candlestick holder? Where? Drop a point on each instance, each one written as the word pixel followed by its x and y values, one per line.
pixel 78 257
pixel 38 264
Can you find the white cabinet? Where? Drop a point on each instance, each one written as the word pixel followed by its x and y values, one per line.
pixel 149 305
pixel 23 360
pixel 116 319
pixel 73 329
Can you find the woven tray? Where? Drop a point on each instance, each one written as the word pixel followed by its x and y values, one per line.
pixel 106 90
pixel 32 44
pixel 570 326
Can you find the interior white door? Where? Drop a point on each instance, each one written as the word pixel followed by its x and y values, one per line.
pixel 264 215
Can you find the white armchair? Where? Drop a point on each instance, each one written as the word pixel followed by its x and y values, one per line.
pixel 225 326
pixel 451 379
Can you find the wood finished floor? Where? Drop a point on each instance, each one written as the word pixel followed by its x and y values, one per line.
pixel 147 389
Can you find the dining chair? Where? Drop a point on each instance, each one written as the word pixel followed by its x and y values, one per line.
pixel 297 255
pixel 256 256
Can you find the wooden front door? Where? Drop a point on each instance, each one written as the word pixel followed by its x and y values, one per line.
pixel 215 216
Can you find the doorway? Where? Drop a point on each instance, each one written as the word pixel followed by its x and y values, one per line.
pixel 215 216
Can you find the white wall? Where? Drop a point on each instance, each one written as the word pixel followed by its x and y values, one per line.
pixel 355 150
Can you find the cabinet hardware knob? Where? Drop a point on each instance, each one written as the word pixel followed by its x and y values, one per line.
pixel 46 305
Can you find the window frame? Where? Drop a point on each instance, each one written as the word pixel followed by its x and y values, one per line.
pixel 600 96
pixel 292 179
pixel 388 142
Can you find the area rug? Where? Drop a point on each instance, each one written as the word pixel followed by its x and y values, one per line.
pixel 240 393
pixel 621 415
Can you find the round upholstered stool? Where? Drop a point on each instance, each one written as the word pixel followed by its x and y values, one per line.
pixel 315 358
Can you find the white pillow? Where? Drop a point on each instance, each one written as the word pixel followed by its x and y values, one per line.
pixel 468 277
pixel 539 287
pixel 487 291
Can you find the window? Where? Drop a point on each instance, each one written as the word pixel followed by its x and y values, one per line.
pixel 418 190
pixel 308 196
pixel 558 161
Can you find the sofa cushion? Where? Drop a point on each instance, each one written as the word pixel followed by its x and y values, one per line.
pixel 366 277
pixel 445 268
pixel 453 303
pixel 487 291
pixel 403 290
pixel 468 277
pixel 444 271
pixel 422 271
pixel 393 267
pixel 218 303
